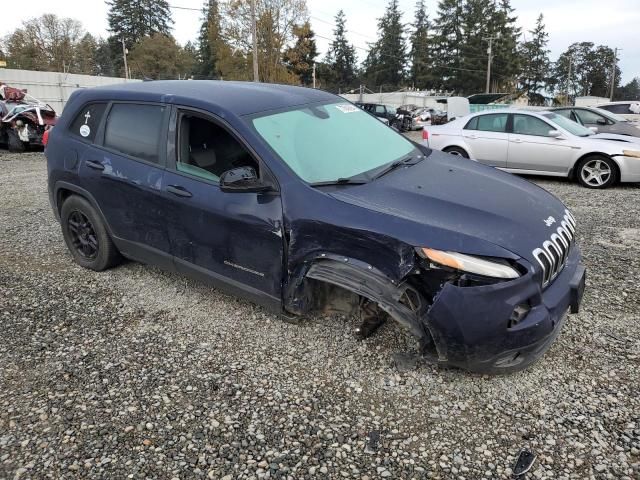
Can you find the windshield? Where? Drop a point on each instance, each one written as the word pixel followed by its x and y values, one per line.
pixel 324 143
pixel 608 114
pixel 568 125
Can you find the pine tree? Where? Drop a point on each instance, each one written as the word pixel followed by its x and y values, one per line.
pixel 341 56
pixel 534 58
pixel 132 20
pixel 446 43
pixel 476 20
pixel 387 59
pixel 506 58
pixel 209 41
pixel 301 56
pixel 420 73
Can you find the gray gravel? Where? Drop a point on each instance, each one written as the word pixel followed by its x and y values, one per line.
pixel 142 374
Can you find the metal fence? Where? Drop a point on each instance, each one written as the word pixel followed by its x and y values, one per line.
pixel 395 99
pixel 53 88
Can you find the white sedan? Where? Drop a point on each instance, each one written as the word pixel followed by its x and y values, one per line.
pixel 540 143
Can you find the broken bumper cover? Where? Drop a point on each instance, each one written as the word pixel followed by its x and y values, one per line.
pixel 470 325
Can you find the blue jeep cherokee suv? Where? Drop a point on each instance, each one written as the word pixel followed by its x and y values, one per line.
pixel 300 201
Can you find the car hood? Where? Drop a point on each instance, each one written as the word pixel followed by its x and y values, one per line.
pixel 457 199
pixel 610 137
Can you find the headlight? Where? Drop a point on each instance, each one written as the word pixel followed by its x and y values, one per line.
pixel 631 153
pixel 469 263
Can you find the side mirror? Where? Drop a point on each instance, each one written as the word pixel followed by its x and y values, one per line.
pixel 556 134
pixel 601 121
pixel 242 179
pixel 594 129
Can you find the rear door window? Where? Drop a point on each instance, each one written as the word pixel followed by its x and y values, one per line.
pixel 528 125
pixel 134 130
pixel 88 120
pixel 496 122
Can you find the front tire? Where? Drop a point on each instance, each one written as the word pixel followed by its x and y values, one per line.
pixel 14 143
pixel 457 151
pixel 86 235
pixel 597 171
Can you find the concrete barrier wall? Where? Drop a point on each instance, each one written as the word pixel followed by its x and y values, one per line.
pixel 53 88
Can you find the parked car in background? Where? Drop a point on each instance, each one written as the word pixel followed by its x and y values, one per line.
pixel 23 119
pixel 541 143
pixel 628 109
pixel 379 110
pixel 602 120
pixel 301 202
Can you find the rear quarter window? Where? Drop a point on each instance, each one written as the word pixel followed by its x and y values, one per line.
pixel 134 130
pixel 87 121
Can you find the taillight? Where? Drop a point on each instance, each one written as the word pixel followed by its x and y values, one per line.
pixel 425 134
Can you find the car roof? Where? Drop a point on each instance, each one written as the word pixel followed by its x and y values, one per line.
pixel 239 98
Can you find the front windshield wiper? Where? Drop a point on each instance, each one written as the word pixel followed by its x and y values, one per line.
pixel 340 181
pixel 398 163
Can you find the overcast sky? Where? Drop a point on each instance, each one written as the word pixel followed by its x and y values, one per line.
pixel 615 23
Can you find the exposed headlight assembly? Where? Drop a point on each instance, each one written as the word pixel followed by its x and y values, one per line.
pixel 470 264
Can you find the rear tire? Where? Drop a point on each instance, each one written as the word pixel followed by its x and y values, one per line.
pixel 86 235
pixel 13 141
pixel 597 171
pixel 460 152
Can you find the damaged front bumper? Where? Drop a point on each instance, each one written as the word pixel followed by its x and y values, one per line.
pixel 471 328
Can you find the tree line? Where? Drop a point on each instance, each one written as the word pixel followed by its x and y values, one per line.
pixel 445 50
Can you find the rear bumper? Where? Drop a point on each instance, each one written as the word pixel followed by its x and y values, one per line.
pixel 470 325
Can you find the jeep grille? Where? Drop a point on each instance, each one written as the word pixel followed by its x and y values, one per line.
pixel 553 254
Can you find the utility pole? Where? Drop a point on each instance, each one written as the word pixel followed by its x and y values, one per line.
pixel 569 79
pixel 613 73
pixel 124 54
pixel 313 74
pixel 254 39
pixel 490 59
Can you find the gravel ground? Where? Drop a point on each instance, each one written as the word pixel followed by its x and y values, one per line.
pixel 137 373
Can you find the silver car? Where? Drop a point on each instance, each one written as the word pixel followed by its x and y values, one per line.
pixel 602 120
pixel 540 143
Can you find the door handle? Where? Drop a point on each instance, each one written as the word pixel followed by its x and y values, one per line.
pixel 178 191
pixel 517 140
pixel 472 136
pixel 95 165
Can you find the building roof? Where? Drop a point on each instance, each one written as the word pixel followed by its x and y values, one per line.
pixel 239 98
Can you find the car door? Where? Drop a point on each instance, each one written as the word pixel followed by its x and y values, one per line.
pixel 234 240
pixel 487 139
pixel 531 147
pixel 123 170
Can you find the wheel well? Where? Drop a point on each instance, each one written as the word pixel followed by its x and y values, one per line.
pixel 61 196
pixel 574 171
pixel 457 147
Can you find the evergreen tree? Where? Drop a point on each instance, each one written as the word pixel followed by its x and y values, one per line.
pixel 209 41
pixel 506 58
pixel 341 57
pixel 420 73
pixel 132 20
pixel 301 56
pixel 630 91
pixel 104 59
pixel 387 59
pixel 477 24
pixel 446 43
pixel 534 58
pixel 85 55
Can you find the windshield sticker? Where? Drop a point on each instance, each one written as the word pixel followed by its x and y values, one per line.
pixel 85 130
pixel 347 108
